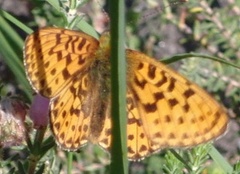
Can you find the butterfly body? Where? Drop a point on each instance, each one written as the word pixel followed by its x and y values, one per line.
pixel 164 109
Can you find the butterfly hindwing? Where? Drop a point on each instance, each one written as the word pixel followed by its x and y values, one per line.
pixel 69 117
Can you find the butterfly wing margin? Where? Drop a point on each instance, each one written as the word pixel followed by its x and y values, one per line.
pixel 172 111
pixel 54 55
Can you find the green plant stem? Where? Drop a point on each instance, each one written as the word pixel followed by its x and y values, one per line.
pixel 180 159
pixel 196 55
pixel 119 162
pixel 219 159
pixel 35 150
pixel 69 162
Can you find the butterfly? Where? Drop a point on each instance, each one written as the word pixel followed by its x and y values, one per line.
pixel 164 109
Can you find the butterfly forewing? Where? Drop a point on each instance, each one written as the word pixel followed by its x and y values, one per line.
pixel 173 111
pixel 53 57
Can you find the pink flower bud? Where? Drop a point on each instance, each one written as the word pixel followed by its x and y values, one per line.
pixel 39 111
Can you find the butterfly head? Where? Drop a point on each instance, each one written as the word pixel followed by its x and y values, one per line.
pixel 105 42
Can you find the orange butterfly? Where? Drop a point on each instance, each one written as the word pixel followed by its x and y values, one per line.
pixel 164 109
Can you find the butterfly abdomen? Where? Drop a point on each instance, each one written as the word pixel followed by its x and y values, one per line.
pixel 99 96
